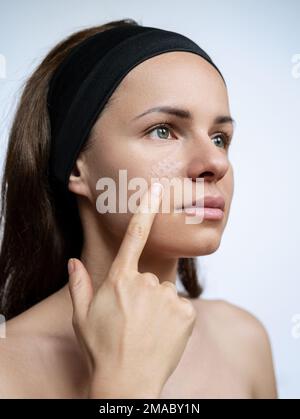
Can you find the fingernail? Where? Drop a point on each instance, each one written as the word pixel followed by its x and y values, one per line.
pixel 71 266
pixel 157 188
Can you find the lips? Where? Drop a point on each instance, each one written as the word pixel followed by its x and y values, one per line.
pixel 209 202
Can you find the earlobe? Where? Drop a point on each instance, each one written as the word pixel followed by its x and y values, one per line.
pixel 75 176
pixel 77 180
pixel 74 183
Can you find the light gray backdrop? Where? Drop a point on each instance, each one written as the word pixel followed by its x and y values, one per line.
pixel 256 44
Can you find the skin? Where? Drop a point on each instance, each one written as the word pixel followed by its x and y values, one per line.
pixel 40 356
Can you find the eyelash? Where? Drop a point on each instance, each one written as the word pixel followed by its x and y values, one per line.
pixel 226 138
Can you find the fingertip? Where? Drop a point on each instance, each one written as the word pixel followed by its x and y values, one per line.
pixel 71 266
pixel 74 265
pixel 157 189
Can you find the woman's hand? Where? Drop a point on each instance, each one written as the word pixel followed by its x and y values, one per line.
pixel 133 329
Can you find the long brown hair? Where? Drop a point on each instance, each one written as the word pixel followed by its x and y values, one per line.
pixel 38 236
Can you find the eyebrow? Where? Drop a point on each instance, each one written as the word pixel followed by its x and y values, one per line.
pixel 185 114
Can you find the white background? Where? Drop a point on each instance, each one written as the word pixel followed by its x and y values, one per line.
pixel 252 42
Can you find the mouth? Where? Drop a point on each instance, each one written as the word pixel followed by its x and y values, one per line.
pixel 211 207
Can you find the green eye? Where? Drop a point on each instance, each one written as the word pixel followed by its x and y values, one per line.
pixel 222 139
pixel 162 130
pixel 219 140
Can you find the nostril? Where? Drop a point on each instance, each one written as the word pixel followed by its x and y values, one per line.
pixel 206 174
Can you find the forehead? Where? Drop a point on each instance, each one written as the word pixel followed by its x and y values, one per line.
pixel 172 77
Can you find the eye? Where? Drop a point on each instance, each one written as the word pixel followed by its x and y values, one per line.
pixel 222 138
pixel 163 131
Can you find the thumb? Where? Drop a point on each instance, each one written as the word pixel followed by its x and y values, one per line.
pixel 81 288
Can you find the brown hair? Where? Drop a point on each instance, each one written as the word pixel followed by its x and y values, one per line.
pixel 38 236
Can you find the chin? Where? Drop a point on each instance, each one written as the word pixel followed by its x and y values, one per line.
pixel 204 241
pixel 200 248
pixel 190 244
pixel 208 239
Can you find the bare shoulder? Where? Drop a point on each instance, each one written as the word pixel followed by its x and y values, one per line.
pixel 13 369
pixel 243 338
pixel 20 361
pixel 37 364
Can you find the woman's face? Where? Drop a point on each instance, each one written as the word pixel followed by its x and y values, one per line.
pixel 191 148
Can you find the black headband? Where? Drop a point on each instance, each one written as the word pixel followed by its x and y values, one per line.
pixel 86 79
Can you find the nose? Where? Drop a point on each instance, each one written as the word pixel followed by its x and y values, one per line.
pixel 207 160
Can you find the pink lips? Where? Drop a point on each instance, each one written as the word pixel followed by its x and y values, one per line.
pixel 213 207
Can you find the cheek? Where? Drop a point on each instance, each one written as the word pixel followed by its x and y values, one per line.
pixel 227 188
pixel 115 156
pixel 137 161
pixel 140 159
pixel 229 183
pixel 115 224
pixel 168 167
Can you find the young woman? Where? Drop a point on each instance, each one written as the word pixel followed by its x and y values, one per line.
pixel 115 325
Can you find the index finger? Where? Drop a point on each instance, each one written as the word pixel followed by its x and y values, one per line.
pixel 139 228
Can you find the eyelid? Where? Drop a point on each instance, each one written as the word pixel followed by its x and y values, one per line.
pixel 159 125
pixel 227 137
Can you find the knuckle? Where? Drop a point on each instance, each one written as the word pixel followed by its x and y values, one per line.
pixel 150 279
pixel 188 309
pixel 170 285
pixel 76 282
pixel 136 230
pixel 169 290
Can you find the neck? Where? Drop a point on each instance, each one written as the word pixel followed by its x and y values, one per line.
pixel 99 249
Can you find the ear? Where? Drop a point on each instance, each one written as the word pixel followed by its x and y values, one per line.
pixel 78 179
